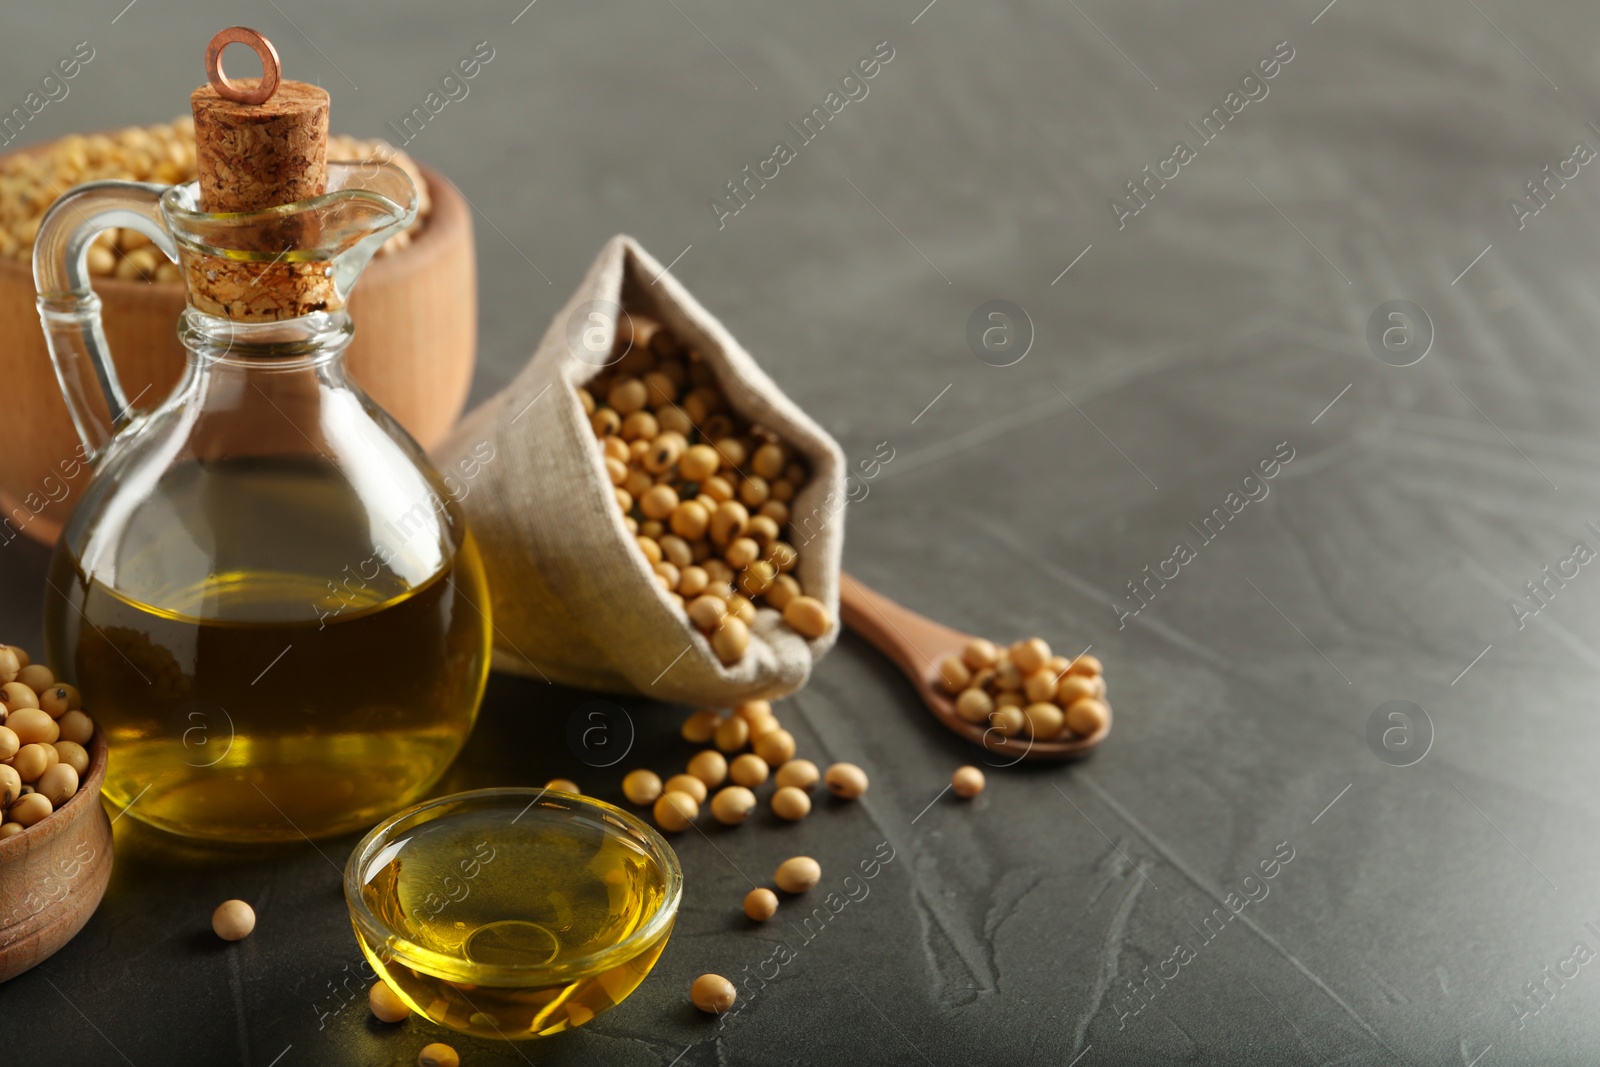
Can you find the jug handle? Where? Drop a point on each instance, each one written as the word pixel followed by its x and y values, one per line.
pixel 69 309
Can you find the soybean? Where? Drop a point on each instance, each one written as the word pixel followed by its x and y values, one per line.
pixel 233 920
pixel 659 502
pixel 768 462
pixel 15 695
pixel 748 770
pixel 676 551
pixel 743 609
pixel 742 552
pixel 808 616
pixel 31 761
pixel 761 904
pixel 675 812
pixel 775 746
pixel 967 782
pixel 36 676
pixel 798 874
pixel 700 727
pixel 954 674
pixel 791 803
pixel 628 395
pixel 29 809
pixel 686 783
pixel 385 1003
pixel 76 727
pixel 846 780
pixel 57 700
pixel 979 653
pixel 699 462
pixel 692 581
pixel 762 529
pixel 710 766
pixel 1073 688
pixel 731 806
pixel 58 784
pixel 1044 720
pixel 73 755
pixel 733 733
pixel 782 591
pixel 1030 654
pixel 762 725
pixel 750 710
pixel 438 1054
pixel 713 994
pixel 730 640
pixel 641 786
pixel 708 611
pixel 690 519
pixel 1087 664
pixel 784 555
pixel 974 705
pixel 1039 686
pixel 798 773
pixel 728 522
pixel 1088 716
pixel 1008 719
pixel 664 452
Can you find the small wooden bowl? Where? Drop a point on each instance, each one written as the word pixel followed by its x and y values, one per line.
pixel 53 874
pixel 416 316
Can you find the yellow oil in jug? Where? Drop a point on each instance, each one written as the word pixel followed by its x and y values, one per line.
pixel 290 686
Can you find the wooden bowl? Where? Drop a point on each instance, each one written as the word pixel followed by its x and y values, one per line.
pixel 416 339
pixel 53 874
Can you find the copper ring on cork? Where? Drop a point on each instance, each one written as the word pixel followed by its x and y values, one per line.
pixel 270 66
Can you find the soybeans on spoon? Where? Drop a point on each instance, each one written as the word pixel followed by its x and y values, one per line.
pixel 915 645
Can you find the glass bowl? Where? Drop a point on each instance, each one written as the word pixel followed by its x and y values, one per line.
pixel 513 913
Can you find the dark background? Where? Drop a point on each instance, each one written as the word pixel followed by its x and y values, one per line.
pixel 1176 353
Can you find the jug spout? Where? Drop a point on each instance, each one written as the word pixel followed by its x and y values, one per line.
pixel 293 260
pixel 249 267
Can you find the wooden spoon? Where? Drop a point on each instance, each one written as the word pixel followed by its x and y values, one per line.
pixel 916 645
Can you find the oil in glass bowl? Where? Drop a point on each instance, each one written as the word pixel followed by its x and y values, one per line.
pixel 513 913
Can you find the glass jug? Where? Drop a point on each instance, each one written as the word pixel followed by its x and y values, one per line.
pixel 266 595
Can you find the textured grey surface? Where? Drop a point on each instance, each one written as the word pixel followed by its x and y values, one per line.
pixel 1221 321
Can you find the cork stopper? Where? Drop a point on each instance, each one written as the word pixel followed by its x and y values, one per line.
pixel 255 156
pixel 259 143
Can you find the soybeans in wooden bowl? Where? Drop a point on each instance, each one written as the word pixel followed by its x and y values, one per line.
pixel 55 837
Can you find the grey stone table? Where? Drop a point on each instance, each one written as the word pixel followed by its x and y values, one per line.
pixel 1428 461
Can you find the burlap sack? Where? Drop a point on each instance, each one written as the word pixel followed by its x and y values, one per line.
pixel 575 601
